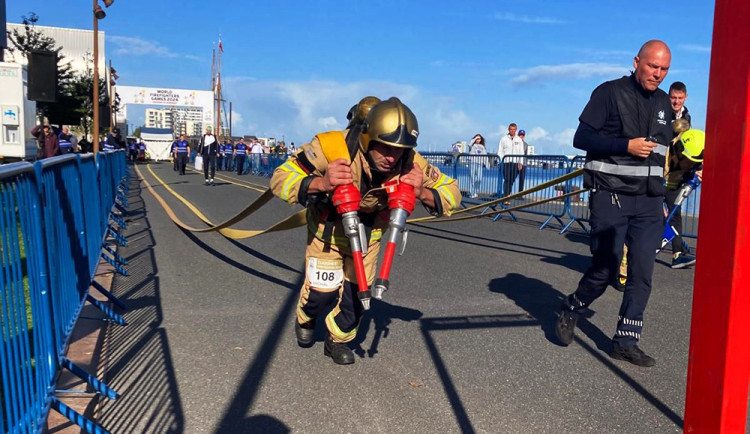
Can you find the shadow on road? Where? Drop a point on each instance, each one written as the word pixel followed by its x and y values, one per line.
pixel 139 363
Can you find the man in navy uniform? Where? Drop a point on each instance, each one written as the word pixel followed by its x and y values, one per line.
pixel 624 129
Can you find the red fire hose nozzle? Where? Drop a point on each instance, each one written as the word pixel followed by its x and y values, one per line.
pixel 346 198
pixel 401 203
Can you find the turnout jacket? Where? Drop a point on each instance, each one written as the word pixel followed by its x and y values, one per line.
pixel 291 180
pixel 620 110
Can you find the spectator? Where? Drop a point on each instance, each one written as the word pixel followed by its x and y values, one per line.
pixel 677 166
pixel 85 146
pixel 522 171
pixel 208 148
pixel 64 137
pixel 229 156
pixel 625 157
pixel 677 97
pixel 173 153
pixel 181 153
pixel 240 153
pixel 112 142
pixel 479 161
pixel 141 150
pixel 292 149
pixel 510 144
pixel 255 155
pixel 47 142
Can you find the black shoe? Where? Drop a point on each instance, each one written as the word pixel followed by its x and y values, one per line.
pixel 565 327
pixel 305 332
pixel 340 353
pixel 633 355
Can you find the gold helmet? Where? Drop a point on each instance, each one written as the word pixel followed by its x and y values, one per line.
pixel 392 123
pixel 680 125
pixel 358 113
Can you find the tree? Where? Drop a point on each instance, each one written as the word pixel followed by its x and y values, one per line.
pixel 137 132
pixel 75 89
pixel 31 39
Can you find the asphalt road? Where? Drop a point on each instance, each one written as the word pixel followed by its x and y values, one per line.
pixel 464 341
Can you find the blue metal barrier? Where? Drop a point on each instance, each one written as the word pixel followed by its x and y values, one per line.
pixel 28 359
pixel 476 176
pixel 535 170
pixel 54 216
pixel 578 206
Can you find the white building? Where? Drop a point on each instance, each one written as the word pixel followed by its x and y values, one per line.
pixel 159 118
pixel 77 46
pixel 531 150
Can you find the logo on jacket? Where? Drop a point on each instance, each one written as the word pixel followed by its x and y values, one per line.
pixel 661 118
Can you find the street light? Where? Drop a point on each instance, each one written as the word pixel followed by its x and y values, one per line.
pixel 98 15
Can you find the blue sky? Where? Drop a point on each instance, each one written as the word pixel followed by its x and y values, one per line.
pixel 294 68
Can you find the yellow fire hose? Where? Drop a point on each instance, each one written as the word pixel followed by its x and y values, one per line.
pixel 300 218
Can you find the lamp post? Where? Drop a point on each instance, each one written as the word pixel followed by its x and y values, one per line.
pixel 98 15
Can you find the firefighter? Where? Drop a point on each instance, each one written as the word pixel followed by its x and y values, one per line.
pixel 382 151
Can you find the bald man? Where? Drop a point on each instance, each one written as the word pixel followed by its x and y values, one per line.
pixel 624 129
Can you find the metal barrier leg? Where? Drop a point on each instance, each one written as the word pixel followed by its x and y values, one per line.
pixel 77 418
pixel 113 298
pixel 570 223
pixel 546 222
pixel 115 265
pixel 120 222
pixel 114 254
pixel 117 236
pixel 510 213
pixel 121 208
pixel 94 382
pixel 106 309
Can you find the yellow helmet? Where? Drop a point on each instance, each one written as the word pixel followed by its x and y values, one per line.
pixel 358 113
pixel 693 141
pixel 392 123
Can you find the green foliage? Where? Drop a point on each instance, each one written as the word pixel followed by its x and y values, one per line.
pixel 137 132
pixel 75 89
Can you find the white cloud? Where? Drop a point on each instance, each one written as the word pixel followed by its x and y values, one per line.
pixel 695 47
pixel 132 46
pixel 554 143
pixel 542 73
pixel 507 16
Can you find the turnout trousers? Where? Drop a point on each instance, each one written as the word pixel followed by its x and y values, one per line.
pixel 319 292
pixel 638 222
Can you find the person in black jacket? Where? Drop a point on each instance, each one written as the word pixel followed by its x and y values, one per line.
pixel 208 147
pixel 624 129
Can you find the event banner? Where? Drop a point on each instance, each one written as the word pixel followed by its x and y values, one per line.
pixel 152 96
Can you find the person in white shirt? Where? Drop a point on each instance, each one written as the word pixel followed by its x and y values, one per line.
pixel 510 144
pixel 256 149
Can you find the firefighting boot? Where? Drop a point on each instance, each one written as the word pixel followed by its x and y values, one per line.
pixel 305 332
pixel 339 352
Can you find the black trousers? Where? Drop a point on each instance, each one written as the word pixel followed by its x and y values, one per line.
pixel 521 177
pixel 675 222
pixel 181 161
pixel 637 221
pixel 239 160
pixel 510 171
pixel 209 160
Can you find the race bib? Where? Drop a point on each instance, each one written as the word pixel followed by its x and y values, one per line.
pixel 325 273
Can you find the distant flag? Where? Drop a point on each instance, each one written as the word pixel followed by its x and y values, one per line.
pixel 221 47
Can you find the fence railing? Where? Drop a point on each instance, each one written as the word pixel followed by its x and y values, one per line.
pixel 482 178
pixel 55 218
